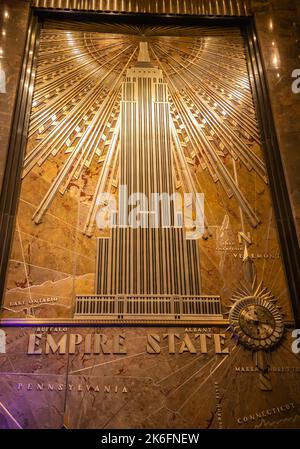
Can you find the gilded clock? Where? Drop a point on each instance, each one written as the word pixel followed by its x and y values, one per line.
pixel 256 322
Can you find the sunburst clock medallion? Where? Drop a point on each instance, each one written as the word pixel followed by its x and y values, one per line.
pixel 255 320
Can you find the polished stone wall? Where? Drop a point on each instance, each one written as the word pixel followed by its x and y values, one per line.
pixel 13 31
pixel 278 27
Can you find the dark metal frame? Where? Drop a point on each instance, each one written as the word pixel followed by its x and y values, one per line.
pixel 281 203
pixel 279 191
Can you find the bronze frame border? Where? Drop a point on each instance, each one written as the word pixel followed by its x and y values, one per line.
pixel 279 192
pixel 285 222
pixel 12 176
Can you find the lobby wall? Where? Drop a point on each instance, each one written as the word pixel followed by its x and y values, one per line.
pixel 144 386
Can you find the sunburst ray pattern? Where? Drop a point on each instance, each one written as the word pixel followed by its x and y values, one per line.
pixel 75 110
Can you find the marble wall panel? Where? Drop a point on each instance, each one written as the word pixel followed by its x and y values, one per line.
pixel 164 390
pixel 137 389
pixel 278 28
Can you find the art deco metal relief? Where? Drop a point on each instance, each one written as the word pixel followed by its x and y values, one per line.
pixel 159 110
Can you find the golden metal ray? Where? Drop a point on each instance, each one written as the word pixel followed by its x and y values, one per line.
pixel 75 111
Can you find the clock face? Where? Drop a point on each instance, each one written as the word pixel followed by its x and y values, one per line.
pixel 257 321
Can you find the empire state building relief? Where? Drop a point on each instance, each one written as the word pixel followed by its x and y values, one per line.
pixel 144 195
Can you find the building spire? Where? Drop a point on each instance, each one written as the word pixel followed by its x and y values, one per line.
pixel 144 52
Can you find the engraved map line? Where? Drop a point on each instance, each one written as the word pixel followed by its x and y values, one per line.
pixel 10 415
